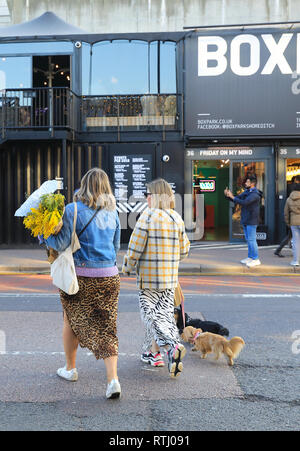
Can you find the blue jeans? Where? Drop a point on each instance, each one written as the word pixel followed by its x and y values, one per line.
pixel 296 243
pixel 250 237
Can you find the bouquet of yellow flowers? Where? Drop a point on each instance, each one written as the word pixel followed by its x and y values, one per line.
pixel 46 220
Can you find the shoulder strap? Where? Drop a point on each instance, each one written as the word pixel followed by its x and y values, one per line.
pixel 99 208
pixel 75 245
pixel 75 216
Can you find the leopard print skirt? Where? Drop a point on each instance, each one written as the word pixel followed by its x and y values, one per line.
pixel 92 314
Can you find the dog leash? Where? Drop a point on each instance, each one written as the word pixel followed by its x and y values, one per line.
pixel 182 310
pixel 182 306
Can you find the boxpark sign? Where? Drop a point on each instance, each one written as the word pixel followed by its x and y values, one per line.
pixel 240 84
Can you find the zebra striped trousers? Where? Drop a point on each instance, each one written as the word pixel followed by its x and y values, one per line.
pixel 157 313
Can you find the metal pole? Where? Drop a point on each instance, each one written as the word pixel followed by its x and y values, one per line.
pixel 149 71
pixel 50 84
pixel 244 25
pixel 64 168
pixel 3 114
pixel 158 67
pixel 91 70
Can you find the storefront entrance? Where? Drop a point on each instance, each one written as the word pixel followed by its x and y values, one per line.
pixel 288 166
pixel 210 178
pixel 239 172
pixel 206 178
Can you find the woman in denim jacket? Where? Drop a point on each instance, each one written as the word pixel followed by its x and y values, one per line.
pixel 90 316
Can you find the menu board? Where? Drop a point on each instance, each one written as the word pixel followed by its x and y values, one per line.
pixel 131 174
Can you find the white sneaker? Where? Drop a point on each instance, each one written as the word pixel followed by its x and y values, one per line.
pixel 294 264
pixel 71 376
pixel 113 389
pixel 245 261
pixel 253 263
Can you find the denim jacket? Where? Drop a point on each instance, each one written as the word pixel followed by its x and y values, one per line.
pixel 99 242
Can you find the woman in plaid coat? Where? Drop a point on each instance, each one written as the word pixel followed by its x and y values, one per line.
pixel 157 244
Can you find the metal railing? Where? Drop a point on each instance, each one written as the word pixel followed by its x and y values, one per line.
pixel 39 108
pixel 59 108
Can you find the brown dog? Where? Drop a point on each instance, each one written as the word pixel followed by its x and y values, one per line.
pixel 206 342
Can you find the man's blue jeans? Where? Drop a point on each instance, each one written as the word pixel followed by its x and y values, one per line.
pixel 250 237
pixel 296 243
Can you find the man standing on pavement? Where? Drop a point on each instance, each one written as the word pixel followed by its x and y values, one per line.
pixel 250 202
pixel 292 219
pixel 290 188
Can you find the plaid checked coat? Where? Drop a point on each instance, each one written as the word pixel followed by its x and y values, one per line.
pixel 157 244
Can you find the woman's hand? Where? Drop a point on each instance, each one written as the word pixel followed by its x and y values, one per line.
pixel 125 270
pixel 58 227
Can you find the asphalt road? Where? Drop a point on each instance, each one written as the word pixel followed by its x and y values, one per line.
pixel 261 392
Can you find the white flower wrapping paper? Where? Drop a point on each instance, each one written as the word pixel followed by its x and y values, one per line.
pixel 34 199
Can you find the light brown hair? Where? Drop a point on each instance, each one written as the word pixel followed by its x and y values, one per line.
pixel 162 195
pixel 95 190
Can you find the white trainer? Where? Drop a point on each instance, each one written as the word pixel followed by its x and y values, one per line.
pixel 113 389
pixel 253 263
pixel 294 264
pixel 246 260
pixel 71 376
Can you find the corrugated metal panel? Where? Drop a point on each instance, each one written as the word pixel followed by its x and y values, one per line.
pixel 24 166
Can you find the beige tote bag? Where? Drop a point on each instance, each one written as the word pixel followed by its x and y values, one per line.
pixel 63 268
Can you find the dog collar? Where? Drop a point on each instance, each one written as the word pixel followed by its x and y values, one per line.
pixel 197 335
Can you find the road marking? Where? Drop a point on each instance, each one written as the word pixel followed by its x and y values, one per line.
pixel 219 246
pixel 187 295
pixel 277 295
pixel 234 247
pixel 26 295
pixel 54 353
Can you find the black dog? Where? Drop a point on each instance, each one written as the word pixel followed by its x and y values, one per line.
pixel 206 326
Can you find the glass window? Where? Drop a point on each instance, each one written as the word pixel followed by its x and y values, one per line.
pixel 168 68
pixel 120 67
pixel 15 72
pixel 27 48
pixel 123 67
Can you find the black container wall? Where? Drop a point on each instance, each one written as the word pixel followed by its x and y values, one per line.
pixel 24 166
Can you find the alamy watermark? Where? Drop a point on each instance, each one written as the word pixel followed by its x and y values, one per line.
pixel 296 344
pixel 296 84
pixel 189 206
pixel 2 342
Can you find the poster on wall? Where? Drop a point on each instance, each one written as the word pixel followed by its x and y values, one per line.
pixel 131 173
pixel 241 83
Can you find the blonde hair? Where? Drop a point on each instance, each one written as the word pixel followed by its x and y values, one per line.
pixel 95 190
pixel 162 195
